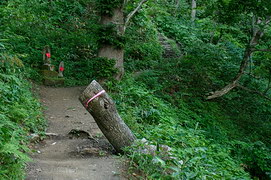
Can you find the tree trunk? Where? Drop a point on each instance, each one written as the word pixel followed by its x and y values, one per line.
pixel 105 114
pixel 193 11
pixel 110 51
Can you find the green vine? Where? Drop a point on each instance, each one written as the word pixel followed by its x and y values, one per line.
pixel 108 35
pixel 105 7
pixel 104 67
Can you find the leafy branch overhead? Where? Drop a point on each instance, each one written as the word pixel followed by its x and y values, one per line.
pixel 131 14
pixel 258 25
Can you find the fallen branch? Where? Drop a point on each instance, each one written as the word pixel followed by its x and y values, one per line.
pixel 254 91
pixel 223 91
pixel 38 137
pixel 262 50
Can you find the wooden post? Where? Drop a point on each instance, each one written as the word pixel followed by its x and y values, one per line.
pixel 105 114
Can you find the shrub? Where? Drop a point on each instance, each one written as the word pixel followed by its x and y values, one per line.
pixel 20 115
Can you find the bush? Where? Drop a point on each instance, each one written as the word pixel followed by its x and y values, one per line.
pixel 20 115
pixel 152 118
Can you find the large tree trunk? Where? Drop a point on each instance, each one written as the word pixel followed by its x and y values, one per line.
pixel 110 51
pixel 105 114
pixel 193 10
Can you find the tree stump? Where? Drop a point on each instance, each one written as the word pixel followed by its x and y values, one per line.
pixel 104 112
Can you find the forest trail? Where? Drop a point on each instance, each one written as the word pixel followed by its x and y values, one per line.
pixel 84 154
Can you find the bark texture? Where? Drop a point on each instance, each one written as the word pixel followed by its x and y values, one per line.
pixel 105 114
pixel 110 51
pixel 193 11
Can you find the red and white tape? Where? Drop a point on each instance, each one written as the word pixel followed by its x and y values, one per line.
pixel 97 95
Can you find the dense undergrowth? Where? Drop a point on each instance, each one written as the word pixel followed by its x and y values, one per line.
pixel 198 156
pixel 207 141
pixel 162 100
pixel 20 115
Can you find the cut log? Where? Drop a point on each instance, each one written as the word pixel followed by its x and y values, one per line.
pixel 104 112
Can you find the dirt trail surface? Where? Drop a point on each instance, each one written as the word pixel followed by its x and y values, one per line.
pixel 77 150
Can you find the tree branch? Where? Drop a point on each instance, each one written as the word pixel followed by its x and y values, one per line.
pixel 257 34
pixel 131 14
pixel 262 50
pixel 269 83
pixel 235 81
pixel 254 91
pixel 125 2
pixel 223 91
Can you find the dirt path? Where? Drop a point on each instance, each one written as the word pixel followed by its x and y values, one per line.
pixel 79 151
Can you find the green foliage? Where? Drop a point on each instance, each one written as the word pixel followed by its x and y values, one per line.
pixel 106 7
pixel 164 100
pixel 231 10
pixel 108 35
pixel 20 115
pixel 65 26
pixel 104 68
pixel 181 129
pixel 255 156
pixel 94 68
pixel 207 138
pixel 143 48
pixel 213 53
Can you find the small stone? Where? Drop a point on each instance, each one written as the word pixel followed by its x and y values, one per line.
pixel 53 143
pixel 181 162
pixel 90 151
pixel 115 173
